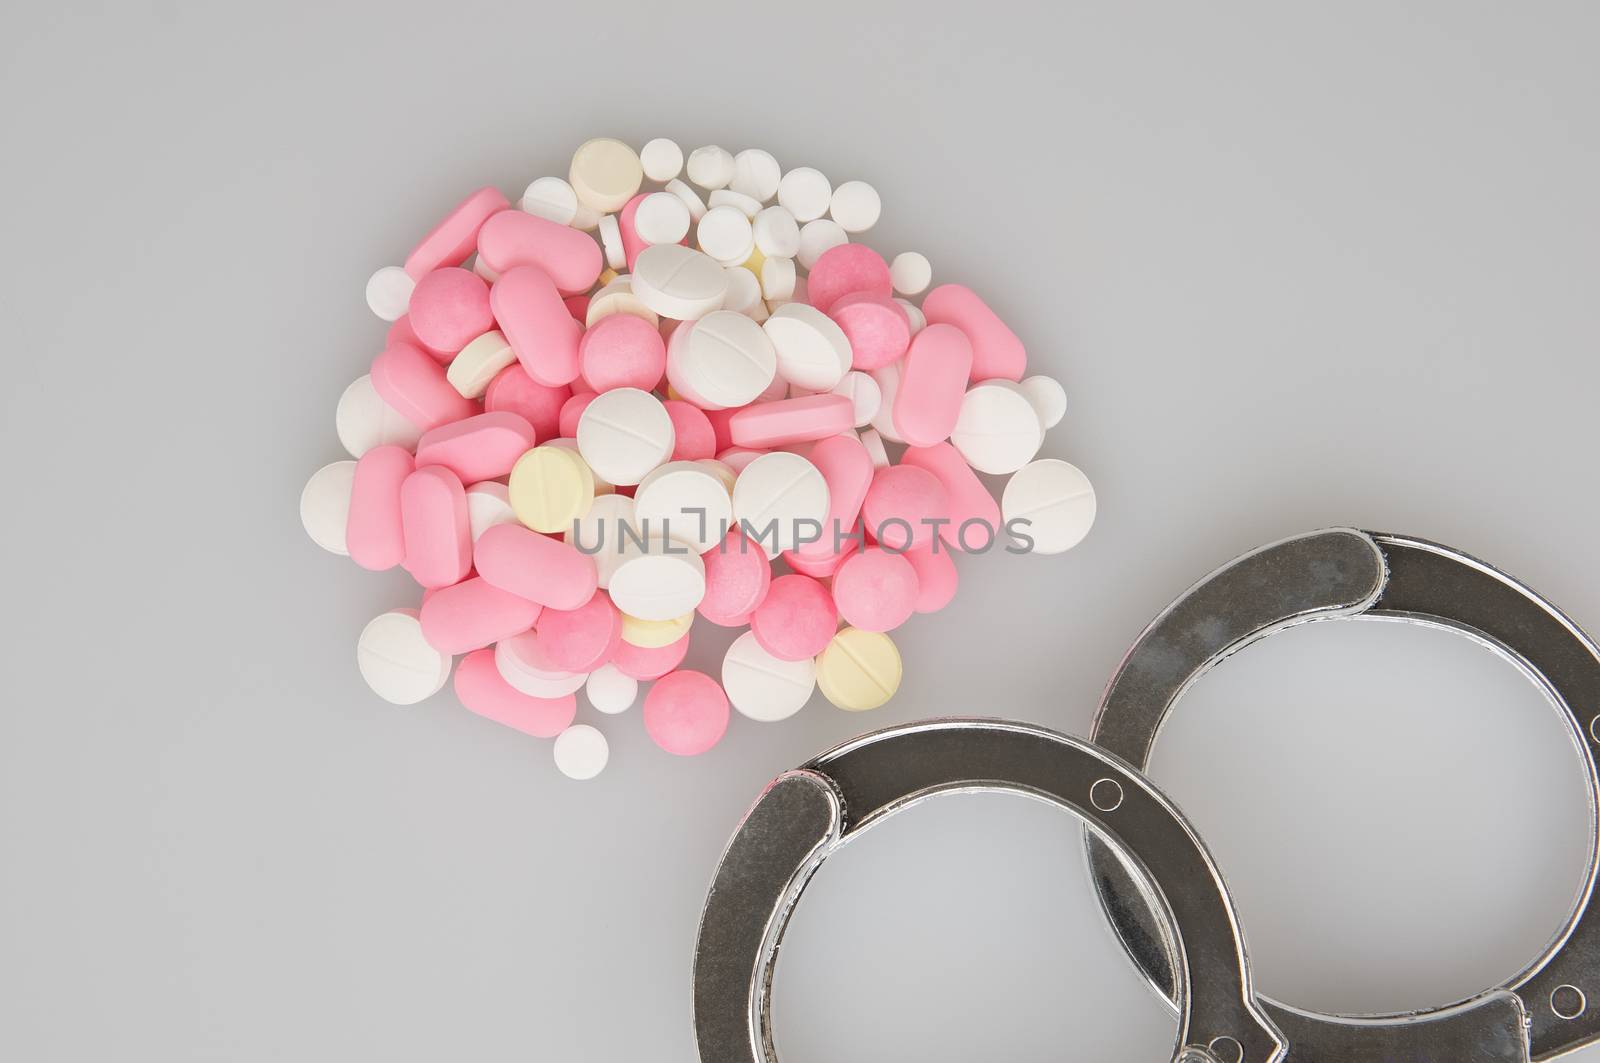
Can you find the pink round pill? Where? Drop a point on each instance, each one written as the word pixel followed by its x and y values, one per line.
pixel 846 467
pixel 875 590
pixel 536 324
pixel 846 270
pixel 786 421
pixel 477 448
pixel 933 381
pixel 822 566
pixel 374 532
pixel 433 515
pixel 737 577
pixel 693 437
pixel 473 614
pixel 876 326
pixel 450 308
pixel 482 690
pixel 904 506
pixel 542 569
pixel 415 385
pixel 796 619
pixel 514 391
pixel 646 662
pixel 572 410
pixel 686 713
pixel 997 353
pixel 581 639
pixel 736 458
pixel 974 514
pixel 454 238
pixel 623 351
pixel 936 576
pixel 569 256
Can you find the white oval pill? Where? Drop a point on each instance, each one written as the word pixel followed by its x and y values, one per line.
pixel 910 273
pixel 364 421
pixel 581 752
pixel 777 280
pixel 725 234
pixel 688 197
pixel 1049 399
pixel 611 242
pixel 997 430
pixel 725 360
pixel 855 206
pixel 678 282
pixel 763 687
pixel 727 197
pixel 776 498
pixel 812 350
pixel 1056 499
pixel 662 579
pixel 389 292
pixel 710 167
pixel 686 502
pixel 397 662
pixel 551 198
pixel 601 532
pixel 777 233
pixel 662 159
pixel 523 663
pixel 805 192
pixel 488 504
pixel 817 237
pixel 623 434
pixel 325 505
pixel 610 690
pixel 661 218
pixel 479 362
pixel 756 174
pixel 863 393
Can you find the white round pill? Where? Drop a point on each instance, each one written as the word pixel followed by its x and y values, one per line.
pixel 661 218
pixel 688 197
pixel 875 448
pixel 763 687
pixel 863 393
pixel 552 199
pixel 777 233
pixel 389 292
pixel 725 234
pixel 777 280
pixel 914 315
pixel 660 579
pixel 325 505
pixel 610 690
pixel 478 363
pixel 686 502
pixel 364 420
pixel 727 197
pixel 601 532
pixel 817 237
pixel 806 193
pixel 997 430
pixel 887 377
pixel 910 273
pixel 662 159
pixel 581 752
pixel 711 167
pixel 488 504
pixel 679 282
pixel 623 434
pixel 524 664
pixel 611 242
pixel 855 206
pixel 744 294
pixel 813 351
pixel 397 662
pixel 1049 399
pixel 725 360
pixel 1055 498
pixel 756 174
pixel 776 498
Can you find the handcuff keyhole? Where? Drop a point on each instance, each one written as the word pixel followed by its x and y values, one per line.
pixel 1568 1001
pixel 1106 795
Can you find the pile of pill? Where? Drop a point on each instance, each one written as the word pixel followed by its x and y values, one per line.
pixel 665 388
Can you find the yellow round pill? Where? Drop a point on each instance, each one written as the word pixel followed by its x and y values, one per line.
pixel 754 262
pixel 653 634
pixel 571 447
pixel 550 487
pixel 859 670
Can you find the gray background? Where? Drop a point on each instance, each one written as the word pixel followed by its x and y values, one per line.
pixel 1297 265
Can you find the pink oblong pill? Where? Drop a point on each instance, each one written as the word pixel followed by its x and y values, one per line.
pixel 645 663
pixel 937 578
pixel 846 270
pixel 796 620
pixel 969 499
pixel 473 614
pixel 623 351
pixel 374 532
pixel 737 577
pixel 536 324
pixel 453 239
pixel 415 384
pixel 514 391
pixel 449 309
pixel 693 436
pixel 904 506
pixel 433 514
pixel 997 353
pixel 847 468
pixel 555 574
pixel 581 639
pixel 775 424
pixel 481 689
pixel 686 713
pixel 822 566
pixel 477 448
pixel 570 257
pixel 875 590
pixel 876 326
pixel 402 332
pixel 933 381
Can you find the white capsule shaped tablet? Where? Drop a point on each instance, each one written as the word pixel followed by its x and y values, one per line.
pixel 887 377
pixel 875 449
pixel 662 218
pixel 812 350
pixel 686 502
pixel 744 294
pixel 727 197
pixel 777 280
pixel 364 421
pixel 763 687
pixel 488 504
pixel 910 273
pixel 817 237
pixel 1049 399
pixel 581 752
pixel 998 430
pixel 1055 498
pixel 611 242
pixel 914 315
pixel 389 292
pixel 710 167
pixel 725 234
pixel 660 579
pixel 551 198
pixel 689 198
pixel 325 505
pixel 724 360
pixel 523 663
pixel 397 662
pixel 756 174
pixel 779 498
pixel 855 206
pixel 617 298
pixel 679 282
pixel 602 532
pixel 863 393
pixel 662 159
pixel 805 193
pixel 610 690
pixel 623 434
pixel 478 363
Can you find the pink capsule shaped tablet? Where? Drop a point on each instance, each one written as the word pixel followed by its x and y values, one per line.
pixel 514 391
pixel 776 424
pixel 847 468
pixel 481 689
pixel 570 257
pixel 555 574
pixel 875 590
pixel 450 308
pixel 905 506
pixel 453 239
pixel 686 713
pixel 414 384
pixel 693 436
pixel 374 532
pixel 737 577
pixel 477 448
pixel 796 619
pixel 649 662
pixel 572 412
pixel 473 614
pixel 996 351
pixel 822 566
pixel 536 324
pixel 936 576
pixel 623 351
pixel 974 515
pixel 433 514
pixel 933 381
pixel 402 332
pixel 846 270
pixel 876 326
pixel 581 639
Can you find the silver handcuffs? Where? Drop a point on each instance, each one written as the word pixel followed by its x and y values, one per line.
pixel 1158 886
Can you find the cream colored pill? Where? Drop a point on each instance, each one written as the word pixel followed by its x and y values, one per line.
pixel 610 691
pixel 581 752
pixel 397 662
pixel 661 159
pixel 1056 499
pixel 551 198
pixel 363 421
pixel 325 505
pixel 1049 399
pixel 805 193
pixel 550 487
pixel 859 670
pixel 605 174
pixel 763 687
pixel 624 433
pixel 479 362
pixel 616 297
pixel 910 273
pixel 389 292
pixel 654 634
